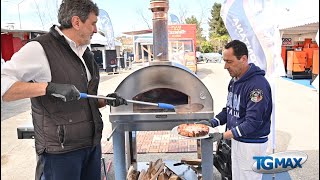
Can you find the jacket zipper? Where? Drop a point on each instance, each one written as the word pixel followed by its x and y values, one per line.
pixel 61 133
pixel 64 136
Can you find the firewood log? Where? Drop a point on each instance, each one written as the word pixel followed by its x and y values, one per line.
pixel 163 176
pixel 149 170
pixel 174 177
pixel 142 175
pixel 132 174
pixel 154 177
pixel 156 166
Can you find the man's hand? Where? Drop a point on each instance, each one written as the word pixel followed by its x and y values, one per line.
pixel 205 122
pixel 66 92
pixel 216 136
pixel 117 101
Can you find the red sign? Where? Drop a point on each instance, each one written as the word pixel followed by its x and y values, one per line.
pixel 181 31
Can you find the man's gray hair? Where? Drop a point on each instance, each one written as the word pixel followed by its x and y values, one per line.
pixel 80 8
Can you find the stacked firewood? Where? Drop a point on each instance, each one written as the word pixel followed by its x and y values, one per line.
pixel 156 171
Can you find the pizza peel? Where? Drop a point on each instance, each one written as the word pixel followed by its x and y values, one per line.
pixel 188 108
pixel 175 131
pixel 179 109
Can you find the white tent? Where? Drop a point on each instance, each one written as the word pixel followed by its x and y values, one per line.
pixel 97 38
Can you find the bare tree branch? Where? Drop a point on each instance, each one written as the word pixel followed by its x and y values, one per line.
pixel 140 12
pixel 182 13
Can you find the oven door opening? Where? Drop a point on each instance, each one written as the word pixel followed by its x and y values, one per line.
pixel 159 95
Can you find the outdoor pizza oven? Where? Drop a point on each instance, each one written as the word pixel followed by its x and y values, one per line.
pixel 165 83
pixel 160 82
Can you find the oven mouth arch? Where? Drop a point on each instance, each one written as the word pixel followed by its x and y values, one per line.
pixel 159 95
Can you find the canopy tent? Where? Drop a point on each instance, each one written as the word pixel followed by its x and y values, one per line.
pixel 144 40
pixel 298 27
pixel 5 31
pixel 97 38
pixel 139 32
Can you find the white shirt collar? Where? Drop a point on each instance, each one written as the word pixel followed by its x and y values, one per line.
pixel 79 50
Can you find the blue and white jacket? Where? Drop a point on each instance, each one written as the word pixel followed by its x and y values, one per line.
pixel 249 107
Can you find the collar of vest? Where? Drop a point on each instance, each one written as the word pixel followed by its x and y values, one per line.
pixel 56 35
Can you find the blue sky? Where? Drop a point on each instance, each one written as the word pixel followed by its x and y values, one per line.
pixel 126 15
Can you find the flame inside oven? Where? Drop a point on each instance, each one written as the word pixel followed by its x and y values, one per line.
pixel 159 95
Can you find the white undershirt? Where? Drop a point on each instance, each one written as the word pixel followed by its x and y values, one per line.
pixel 30 63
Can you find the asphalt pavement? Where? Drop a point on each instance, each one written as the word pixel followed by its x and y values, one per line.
pixel 297 124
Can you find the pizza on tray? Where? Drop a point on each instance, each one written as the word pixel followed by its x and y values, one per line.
pixel 193 130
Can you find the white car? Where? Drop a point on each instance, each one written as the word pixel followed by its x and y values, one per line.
pixel 212 57
pixel 199 56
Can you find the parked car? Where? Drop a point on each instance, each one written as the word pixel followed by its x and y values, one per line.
pixel 212 57
pixel 199 56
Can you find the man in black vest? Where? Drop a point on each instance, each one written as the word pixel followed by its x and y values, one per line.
pixel 52 70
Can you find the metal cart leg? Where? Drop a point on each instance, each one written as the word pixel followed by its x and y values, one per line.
pixel 207 158
pixel 131 149
pixel 120 170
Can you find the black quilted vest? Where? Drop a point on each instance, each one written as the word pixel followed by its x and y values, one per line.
pixel 66 126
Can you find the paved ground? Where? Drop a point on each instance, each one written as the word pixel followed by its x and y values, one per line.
pixel 297 125
pixel 157 142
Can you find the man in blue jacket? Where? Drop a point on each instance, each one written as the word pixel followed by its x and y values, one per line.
pixel 247 113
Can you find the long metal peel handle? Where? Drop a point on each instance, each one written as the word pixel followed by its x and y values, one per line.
pixel 160 105
pixel 83 95
pixel 166 106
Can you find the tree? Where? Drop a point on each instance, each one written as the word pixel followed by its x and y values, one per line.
pixel 218 33
pixel 199 36
pixel 206 47
pixel 183 11
pixel 145 18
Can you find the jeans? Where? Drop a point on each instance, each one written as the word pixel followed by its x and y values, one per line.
pixel 83 164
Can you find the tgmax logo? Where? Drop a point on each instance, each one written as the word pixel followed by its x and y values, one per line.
pixel 279 162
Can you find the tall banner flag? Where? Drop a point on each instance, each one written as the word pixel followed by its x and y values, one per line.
pixel 173 19
pixel 250 22
pixel 104 25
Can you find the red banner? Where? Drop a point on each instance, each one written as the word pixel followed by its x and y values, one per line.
pixel 181 31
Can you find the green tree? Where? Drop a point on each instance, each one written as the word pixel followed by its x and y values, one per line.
pixel 199 36
pixel 206 47
pixel 218 34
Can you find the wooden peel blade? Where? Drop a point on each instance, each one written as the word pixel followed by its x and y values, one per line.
pixel 188 108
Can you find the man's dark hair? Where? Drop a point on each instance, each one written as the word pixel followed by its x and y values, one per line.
pixel 81 8
pixel 239 48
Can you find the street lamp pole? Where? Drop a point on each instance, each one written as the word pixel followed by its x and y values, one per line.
pixel 19 12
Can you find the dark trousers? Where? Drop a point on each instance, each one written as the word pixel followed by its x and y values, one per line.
pixel 83 164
